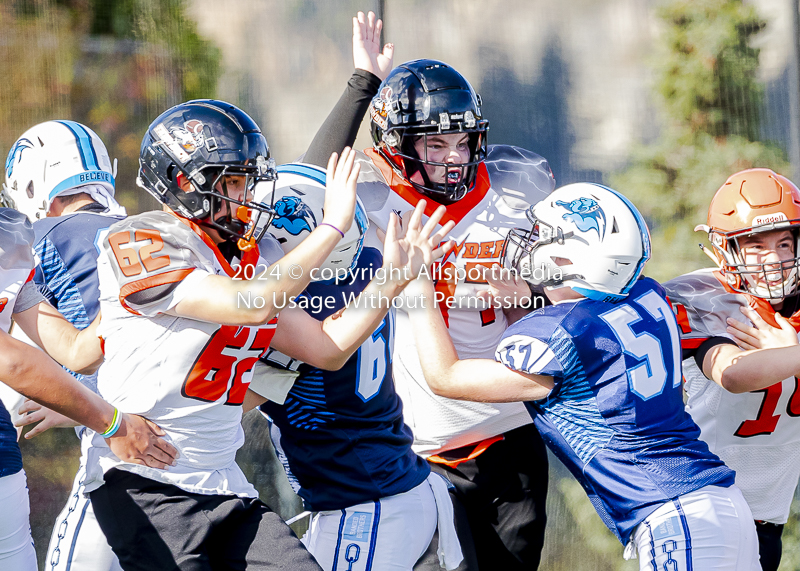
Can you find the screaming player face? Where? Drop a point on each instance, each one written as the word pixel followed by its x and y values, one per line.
pixel 449 149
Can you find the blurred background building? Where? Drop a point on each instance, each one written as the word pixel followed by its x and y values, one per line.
pixel 663 99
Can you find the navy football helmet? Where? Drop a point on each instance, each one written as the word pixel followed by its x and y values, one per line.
pixel 422 98
pixel 208 141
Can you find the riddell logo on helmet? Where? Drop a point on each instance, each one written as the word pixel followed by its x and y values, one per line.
pixel 769 219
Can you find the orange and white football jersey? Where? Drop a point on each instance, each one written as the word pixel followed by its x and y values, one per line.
pixel 498 203
pixel 188 376
pixel 757 434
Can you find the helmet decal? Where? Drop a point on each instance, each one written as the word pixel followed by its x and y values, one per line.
pixel 298 198
pixel 293 215
pixel 379 107
pixel 16 154
pixel 586 214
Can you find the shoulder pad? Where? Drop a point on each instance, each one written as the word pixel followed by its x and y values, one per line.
pixel 520 177
pixel 373 189
pixel 702 305
pixel 270 249
pixel 154 252
pixel 16 241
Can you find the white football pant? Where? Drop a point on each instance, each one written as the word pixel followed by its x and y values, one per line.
pixel 389 534
pixel 711 529
pixel 77 542
pixel 16 545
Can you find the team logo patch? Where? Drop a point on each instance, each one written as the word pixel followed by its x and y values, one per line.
pixel 191 137
pixel 15 154
pixel 586 214
pixel 3 303
pixel 357 527
pixel 379 107
pixel 293 215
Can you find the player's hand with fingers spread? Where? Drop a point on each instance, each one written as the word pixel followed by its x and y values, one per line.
pixel 340 190
pixel 762 335
pixel 409 247
pixel 32 412
pixel 367 53
pixel 506 285
pixel 139 441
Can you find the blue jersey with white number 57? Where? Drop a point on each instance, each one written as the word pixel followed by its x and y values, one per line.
pixel 342 431
pixel 615 416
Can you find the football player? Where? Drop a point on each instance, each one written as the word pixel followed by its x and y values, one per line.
pixel 342 432
pixel 188 307
pixel 24 369
pixel 429 143
pixel 600 373
pixel 749 420
pixel 46 179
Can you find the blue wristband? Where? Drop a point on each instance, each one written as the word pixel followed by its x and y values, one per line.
pixel 116 421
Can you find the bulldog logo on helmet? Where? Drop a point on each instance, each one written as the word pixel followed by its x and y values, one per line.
pixel 379 107
pixel 586 214
pixel 191 137
pixel 293 215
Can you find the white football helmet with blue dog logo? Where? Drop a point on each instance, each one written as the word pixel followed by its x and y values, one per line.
pixel 51 158
pixel 584 236
pixel 298 198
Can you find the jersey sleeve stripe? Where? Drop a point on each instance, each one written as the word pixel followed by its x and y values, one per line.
pixel 171 277
pixel 693 343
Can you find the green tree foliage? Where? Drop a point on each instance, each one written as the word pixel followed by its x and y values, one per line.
pixel 710 99
pixel 112 65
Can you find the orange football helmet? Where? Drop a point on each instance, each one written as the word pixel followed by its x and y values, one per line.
pixel 750 202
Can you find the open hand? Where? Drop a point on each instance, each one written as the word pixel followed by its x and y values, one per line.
pixel 506 285
pixel 367 54
pixel 32 412
pixel 340 190
pixel 762 335
pixel 409 247
pixel 139 441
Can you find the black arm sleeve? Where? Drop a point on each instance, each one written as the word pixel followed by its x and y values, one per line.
pixel 341 127
pixel 700 353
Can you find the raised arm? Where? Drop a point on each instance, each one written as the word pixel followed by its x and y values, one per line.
pixel 330 343
pixel 372 65
pixel 217 299
pixel 479 380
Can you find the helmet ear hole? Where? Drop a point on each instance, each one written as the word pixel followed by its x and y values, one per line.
pixel 29 190
pixel 561 261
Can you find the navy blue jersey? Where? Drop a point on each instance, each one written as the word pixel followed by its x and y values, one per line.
pixel 16 263
pixel 67 274
pixel 10 455
pixel 615 416
pixel 342 431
